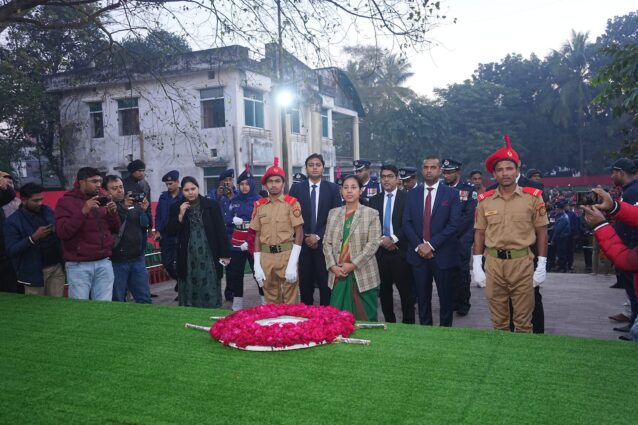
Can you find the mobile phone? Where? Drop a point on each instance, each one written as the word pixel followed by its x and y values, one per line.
pixel 103 200
pixel 138 197
pixel 586 198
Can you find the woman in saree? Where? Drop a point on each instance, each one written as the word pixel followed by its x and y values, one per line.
pixel 351 239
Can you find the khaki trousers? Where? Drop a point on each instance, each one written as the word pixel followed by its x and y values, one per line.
pixel 510 279
pixel 276 289
pixel 53 282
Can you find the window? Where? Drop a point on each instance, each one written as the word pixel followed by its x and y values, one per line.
pixel 254 108
pixel 213 114
pixel 128 116
pixel 295 120
pixel 324 123
pixel 96 120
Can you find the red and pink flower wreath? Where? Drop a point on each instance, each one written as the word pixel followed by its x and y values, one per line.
pixel 324 324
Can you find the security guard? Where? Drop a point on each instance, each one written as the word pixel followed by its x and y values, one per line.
pixel 168 244
pixel 278 224
pixel 370 186
pixel 298 178
pixel 408 177
pixel 460 277
pixel 509 219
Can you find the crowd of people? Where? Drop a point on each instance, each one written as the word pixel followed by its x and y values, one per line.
pixel 353 240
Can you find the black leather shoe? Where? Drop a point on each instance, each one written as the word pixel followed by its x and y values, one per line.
pixel 619 318
pixel 616 285
pixel 624 338
pixel 623 329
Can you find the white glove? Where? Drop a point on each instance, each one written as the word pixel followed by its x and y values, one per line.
pixel 478 275
pixel 244 246
pixel 237 221
pixel 291 268
pixel 260 276
pixel 540 274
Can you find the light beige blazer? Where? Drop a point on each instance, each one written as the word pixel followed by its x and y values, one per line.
pixel 365 234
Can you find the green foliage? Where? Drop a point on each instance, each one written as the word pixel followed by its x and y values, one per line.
pixel 545 105
pixel 142 53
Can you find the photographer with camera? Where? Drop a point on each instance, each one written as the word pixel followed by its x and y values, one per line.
pixel 129 243
pixel 136 182
pixel 85 220
pixel 31 243
pixel 623 257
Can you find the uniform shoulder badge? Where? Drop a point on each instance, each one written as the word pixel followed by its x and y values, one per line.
pixel 533 191
pixel 542 210
pixel 485 194
pixel 259 202
pixel 290 199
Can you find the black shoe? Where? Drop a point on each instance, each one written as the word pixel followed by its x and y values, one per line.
pixel 176 298
pixel 153 295
pixel 623 329
pixel 462 313
pixel 624 338
pixel 616 285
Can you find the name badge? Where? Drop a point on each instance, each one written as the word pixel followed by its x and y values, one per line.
pixel 489 213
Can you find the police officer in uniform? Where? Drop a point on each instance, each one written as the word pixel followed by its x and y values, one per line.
pixel 279 234
pixel 298 178
pixel 370 186
pixel 408 177
pixel 460 276
pixel 509 219
pixel 168 244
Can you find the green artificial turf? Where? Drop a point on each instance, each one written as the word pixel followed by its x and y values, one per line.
pixel 74 362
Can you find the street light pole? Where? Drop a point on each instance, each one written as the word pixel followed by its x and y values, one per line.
pixel 280 75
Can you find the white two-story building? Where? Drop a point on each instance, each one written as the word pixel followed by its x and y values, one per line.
pixel 202 112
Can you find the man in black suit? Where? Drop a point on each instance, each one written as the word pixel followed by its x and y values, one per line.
pixel 316 198
pixel 393 267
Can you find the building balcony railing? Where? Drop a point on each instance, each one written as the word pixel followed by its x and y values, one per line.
pixel 300 138
pixel 259 133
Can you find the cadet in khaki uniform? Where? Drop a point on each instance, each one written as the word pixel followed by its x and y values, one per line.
pixel 509 219
pixel 278 225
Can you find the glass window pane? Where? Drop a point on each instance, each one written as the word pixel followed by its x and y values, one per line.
pixel 249 112
pixel 253 94
pixel 97 124
pixel 95 106
pixel 127 103
pixel 259 115
pixel 213 114
pixel 295 121
pixel 212 93
pixel 324 126
pixel 129 122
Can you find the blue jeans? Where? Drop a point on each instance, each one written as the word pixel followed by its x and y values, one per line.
pixel 90 278
pixel 131 275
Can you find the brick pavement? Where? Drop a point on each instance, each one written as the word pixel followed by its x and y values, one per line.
pixel 575 304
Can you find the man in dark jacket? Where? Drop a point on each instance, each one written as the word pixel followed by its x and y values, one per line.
pixel 561 233
pixel 31 243
pixel 136 183
pixel 129 268
pixel 85 221
pixel 8 281
pixel 168 244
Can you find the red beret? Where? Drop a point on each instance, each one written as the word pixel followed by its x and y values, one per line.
pixel 502 154
pixel 275 170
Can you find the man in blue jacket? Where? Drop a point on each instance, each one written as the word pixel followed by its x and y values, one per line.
pixel 561 234
pixel 168 244
pixel 31 243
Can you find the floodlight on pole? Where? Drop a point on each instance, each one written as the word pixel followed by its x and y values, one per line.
pixel 284 98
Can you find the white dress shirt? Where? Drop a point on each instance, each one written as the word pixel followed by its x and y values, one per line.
pixel 385 201
pixel 310 183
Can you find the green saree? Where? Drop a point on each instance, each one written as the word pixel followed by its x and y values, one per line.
pixel 345 293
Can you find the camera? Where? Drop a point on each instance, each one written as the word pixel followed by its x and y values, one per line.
pixel 586 198
pixel 138 197
pixel 103 200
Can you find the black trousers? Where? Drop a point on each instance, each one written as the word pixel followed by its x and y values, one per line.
pixel 8 279
pixel 168 248
pixel 235 272
pixel 394 270
pixel 538 315
pixel 313 272
pixel 627 282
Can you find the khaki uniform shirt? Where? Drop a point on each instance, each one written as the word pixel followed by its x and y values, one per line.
pixel 511 223
pixel 275 220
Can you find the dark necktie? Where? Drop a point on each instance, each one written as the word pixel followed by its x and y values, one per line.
pixel 427 214
pixel 387 216
pixel 313 209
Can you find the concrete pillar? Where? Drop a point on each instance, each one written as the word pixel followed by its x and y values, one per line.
pixel 315 130
pixel 355 137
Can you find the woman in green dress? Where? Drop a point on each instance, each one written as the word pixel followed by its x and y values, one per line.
pixel 352 237
pixel 202 241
